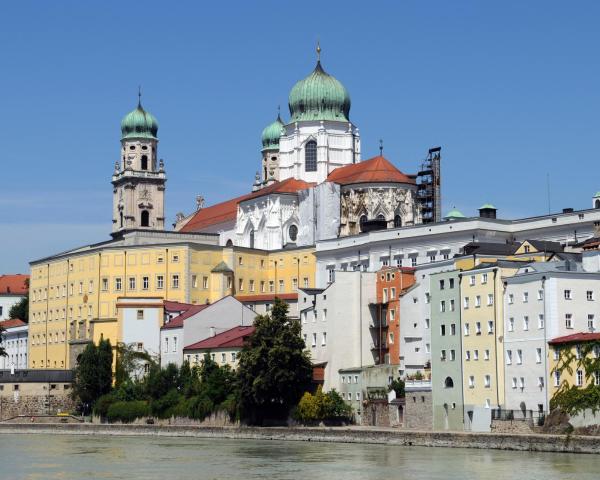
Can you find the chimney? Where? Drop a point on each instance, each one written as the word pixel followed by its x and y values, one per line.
pixel 567 210
pixel 212 331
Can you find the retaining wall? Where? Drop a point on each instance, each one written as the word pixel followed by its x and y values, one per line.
pixel 533 442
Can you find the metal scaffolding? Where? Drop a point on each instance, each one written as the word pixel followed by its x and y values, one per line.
pixel 429 192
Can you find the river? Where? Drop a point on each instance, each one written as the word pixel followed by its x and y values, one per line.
pixel 46 457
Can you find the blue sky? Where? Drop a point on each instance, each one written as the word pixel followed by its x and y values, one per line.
pixel 510 90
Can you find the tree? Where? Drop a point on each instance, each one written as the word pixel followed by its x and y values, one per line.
pixel 20 310
pixel 93 374
pixel 274 368
pixel 2 350
pixel 129 361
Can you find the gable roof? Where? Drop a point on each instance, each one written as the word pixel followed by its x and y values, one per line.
pixel 233 337
pixel 227 211
pixel 490 248
pixel 12 323
pixel 575 337
pixel 375 170
pixel 545 245
pixel 177 322
pixel 13 284
pixel 222 267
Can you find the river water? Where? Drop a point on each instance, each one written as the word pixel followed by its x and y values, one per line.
pixel 66 457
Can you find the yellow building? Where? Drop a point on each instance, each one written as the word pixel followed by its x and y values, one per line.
pixel 574 361
pixel 483 326
pixel 73 297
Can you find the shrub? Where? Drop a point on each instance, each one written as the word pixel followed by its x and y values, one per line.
pixel 200 407
pixel 103 403
pixel 398 387
pixel 162 407
pixel 127 412
pixel 321 407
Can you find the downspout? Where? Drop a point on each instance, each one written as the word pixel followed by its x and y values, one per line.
pixel 47 311
pixel 67 317
pixel 546 377
pixel 462 390
pixel 496 338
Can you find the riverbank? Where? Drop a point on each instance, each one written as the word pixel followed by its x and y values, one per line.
pixel 499 441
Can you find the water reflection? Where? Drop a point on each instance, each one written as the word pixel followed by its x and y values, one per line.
pixel 68 457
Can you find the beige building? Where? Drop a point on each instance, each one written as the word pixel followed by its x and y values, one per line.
pixel 224 348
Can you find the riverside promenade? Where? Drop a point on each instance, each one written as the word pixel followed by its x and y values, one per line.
pixel 366 435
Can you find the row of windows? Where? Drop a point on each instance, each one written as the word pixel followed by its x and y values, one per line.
pixel 475 357
pixel 540 323
pixel 489 303
pixel 487 381
pixel 579 378
pixel 519 356
pixel 54 364
pixel 196 358
pixel 263 285
pixel 314 315
pixel 467 328
pixel 57 315
pixel 314 339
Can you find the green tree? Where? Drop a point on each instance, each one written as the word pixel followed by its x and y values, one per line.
pixel 93 374
pixel 20 310
pixel 2 350
pixel 398 386
pixel 274 368
pixel 128 361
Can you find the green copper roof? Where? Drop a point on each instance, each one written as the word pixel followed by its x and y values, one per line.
pixel 319 97
pixel 271 134
pixel 454 213
pixel 597 194
pixel 139 124
pixel 487 206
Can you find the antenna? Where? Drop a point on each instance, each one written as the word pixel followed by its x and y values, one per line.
pixel 380 147
pixel 548 190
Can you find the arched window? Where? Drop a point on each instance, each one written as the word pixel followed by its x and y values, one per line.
pixel 310 157
pixel 145 222
pixel 144 162
pixel 121 218
pixel 229 243
pixel 448 383
pixel 597 204
pixel 397 221
pixel 293 232
pixel 380 217
pixel 362 221
pixel 252 238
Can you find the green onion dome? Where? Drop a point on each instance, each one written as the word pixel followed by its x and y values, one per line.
pixel 453 214
pixel 271 134
pixel 319 97
pixel 139 124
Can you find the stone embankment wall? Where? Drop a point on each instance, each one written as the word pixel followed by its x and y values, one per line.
pixel 512 426
pixel 31 405
pixel 533 442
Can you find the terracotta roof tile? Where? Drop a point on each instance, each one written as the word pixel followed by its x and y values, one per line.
pixel 266 297
pixel 575 337
pixel 233 337
pixel 177 322
pixel 13 284
pixel 375 170
pixel 12 323
pixel 227 211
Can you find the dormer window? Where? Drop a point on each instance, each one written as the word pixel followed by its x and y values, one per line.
pixel 144 162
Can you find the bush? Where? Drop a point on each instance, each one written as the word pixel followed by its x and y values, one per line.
pixel 321 406
pixel 127 412
pixel 200 407
pixel 163 407
pixel 398 387
pixel 103 403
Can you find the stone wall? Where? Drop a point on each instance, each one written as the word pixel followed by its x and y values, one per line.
pixel 33 399
pixel 418 410
pixel 499 441
pixel 512 426
pixel 376 413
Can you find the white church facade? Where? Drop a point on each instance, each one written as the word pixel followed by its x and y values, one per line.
pixel 312 184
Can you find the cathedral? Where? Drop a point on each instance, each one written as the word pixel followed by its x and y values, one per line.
pixel 312 183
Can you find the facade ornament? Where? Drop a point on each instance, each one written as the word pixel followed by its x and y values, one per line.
pixel 199 202
pixel 179 216
pixel 161 165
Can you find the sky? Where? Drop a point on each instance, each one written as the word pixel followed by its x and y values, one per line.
pixel 510 91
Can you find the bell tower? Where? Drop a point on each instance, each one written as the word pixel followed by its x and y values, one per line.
pixel 139 177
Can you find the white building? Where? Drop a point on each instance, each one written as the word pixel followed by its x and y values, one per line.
pixel 199 322
pixel 543 301
pixel 15 344
pixel 13 288
pixel 335 324
pixel 312 184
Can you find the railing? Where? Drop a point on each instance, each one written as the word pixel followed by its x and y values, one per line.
pixel 519 415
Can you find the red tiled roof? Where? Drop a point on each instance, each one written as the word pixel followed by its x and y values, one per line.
pixel 13 284
pixel 575 337
pixel 234 337
pixel 227 211
pixel 12 323
pixel 375 170
pixel 171 306
pixel 266 297
pixel 177 322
